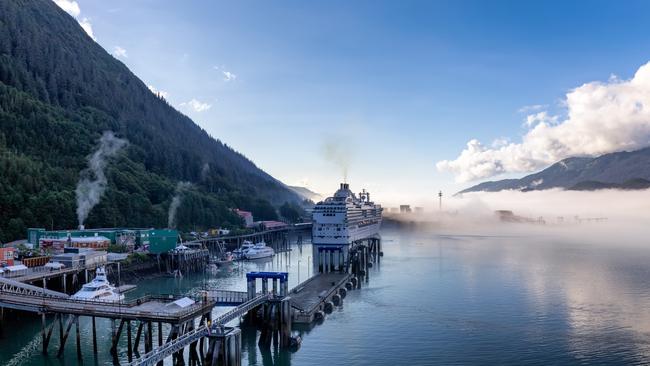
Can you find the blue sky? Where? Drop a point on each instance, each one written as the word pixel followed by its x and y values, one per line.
pixel 399 85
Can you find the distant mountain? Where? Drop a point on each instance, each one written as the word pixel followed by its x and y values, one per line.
pixel 306 193
pixel 59 91
pixel 631 184
pixel 623 170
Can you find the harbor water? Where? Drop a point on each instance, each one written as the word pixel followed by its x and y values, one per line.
pixel 434 300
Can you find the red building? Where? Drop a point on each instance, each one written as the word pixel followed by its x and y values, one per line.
pixel 246 215
pixel 7 256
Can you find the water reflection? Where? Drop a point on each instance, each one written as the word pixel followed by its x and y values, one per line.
pixel 436 299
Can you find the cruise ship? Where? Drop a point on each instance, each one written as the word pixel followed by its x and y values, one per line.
pixel 345 218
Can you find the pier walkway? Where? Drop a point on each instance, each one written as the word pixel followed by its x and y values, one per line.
pixel 310 296
pixel 178 344
pixel 40 273
pixel 227 298
pixel 307 298
pixel 275 237
pixel 20 296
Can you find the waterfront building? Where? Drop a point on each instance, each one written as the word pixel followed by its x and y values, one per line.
pixel 7 256
pixel 155 241
pixel 247 216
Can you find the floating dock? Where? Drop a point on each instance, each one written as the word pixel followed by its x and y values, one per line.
pixel 313 295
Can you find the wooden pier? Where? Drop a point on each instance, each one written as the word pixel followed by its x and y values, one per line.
pixel 278 238
pixel 273 311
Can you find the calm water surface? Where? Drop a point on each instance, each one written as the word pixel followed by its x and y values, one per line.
pixel 439 300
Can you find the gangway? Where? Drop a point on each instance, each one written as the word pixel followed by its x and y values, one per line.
pixel 173 346
pixel 19 288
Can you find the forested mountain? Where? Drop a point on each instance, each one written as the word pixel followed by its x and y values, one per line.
pixel 307 193
pixel 59 91
pixel 620 170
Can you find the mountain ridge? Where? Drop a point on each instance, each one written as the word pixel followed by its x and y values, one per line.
pixel 613 170
pixel 59 91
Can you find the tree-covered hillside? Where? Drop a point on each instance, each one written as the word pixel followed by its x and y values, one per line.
pixel 59 91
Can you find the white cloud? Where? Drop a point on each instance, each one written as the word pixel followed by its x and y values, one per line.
pixel 85 24
pixel 70 7
pixel 119 52
pixel 531 108
pixel 602 117
pixel 228 76
pixel 196 105
pixel 161 93
pixel 541 117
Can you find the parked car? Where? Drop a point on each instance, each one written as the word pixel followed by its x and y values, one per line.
pixel 55 266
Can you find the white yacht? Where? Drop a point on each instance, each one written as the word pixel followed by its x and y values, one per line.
pixel 259 250
pixel 345 218
pixel 240 252
pixel 99 289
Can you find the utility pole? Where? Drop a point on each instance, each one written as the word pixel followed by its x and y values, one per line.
pixel 440 200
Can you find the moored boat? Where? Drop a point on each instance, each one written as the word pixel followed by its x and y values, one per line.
pixel 99 289
pixel 259 250
pixel 239 253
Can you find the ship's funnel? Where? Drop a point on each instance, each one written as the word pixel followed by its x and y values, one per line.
pixel 345 186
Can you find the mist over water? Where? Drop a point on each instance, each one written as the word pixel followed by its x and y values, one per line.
pixel 605 215
pixel 92 183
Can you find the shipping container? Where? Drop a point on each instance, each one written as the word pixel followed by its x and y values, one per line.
pixel 35 261
pixel 162 241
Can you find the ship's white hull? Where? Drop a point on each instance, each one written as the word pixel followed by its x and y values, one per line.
pixel 99 289
pixel 347 236
pixel 100 296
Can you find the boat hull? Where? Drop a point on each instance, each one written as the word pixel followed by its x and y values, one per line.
pixel 260 255
pixel 348 236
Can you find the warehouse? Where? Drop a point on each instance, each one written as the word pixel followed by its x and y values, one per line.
pixel 155 241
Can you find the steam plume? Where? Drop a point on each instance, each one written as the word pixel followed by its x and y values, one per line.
pixel 92 182
pixel 339 153
pixel 181 187
pixel 205 170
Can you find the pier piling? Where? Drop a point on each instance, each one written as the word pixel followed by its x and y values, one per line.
pixel 129 342
pixel 78 334
pixel 224 348
pixel 94 336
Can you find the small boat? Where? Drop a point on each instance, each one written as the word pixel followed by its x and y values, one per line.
pixel 226 258
pixel 238 253
pixel 259 250
pixel 99 289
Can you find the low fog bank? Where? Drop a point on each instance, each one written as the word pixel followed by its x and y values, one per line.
pixel 606 215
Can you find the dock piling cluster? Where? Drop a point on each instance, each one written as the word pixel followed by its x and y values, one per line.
pixel 273 312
